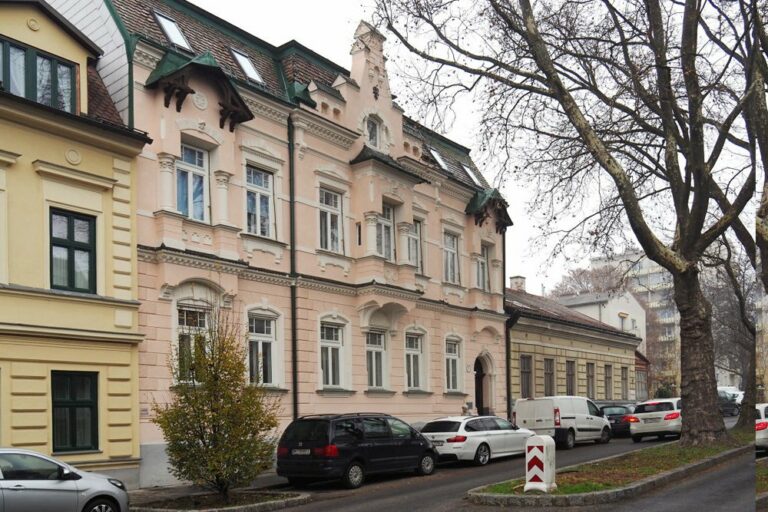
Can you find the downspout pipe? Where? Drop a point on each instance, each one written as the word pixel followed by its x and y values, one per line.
pixel 507 326
pixel 293 273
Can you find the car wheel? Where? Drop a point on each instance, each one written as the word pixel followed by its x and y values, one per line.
pixel 605 436
pixel 637 439
pixel 570 440
pixel 482 455
pixel 426 465
pixel 354 476
pixel 101 505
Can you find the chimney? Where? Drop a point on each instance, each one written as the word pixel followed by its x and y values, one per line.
pixel 517 283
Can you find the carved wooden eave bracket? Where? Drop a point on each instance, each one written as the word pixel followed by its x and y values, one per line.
pixel 172 75
pixel 487 204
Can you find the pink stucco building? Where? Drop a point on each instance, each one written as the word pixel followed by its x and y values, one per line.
pixel 361 251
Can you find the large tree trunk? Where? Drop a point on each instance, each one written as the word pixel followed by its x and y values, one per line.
pixel 702 421
pixel 747 416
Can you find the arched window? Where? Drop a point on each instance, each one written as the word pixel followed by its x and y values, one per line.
pixel 194 322
pixel 373 128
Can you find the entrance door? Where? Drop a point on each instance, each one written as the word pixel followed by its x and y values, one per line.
pixel 480 398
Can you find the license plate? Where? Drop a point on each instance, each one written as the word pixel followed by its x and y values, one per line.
pixel 437 443
pixel 300 451
pixel 652 420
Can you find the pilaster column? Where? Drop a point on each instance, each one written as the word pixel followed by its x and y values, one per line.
pixel 165 185
pixel 403 229
pixel 371 219
pixel 221 209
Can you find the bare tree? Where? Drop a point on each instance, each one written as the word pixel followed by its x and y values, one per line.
pixel 629 110
pixel 590 280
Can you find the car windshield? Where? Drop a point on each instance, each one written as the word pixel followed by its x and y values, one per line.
pixel 307 430
pixel 609 411
pixel 654 407
pixel 441 426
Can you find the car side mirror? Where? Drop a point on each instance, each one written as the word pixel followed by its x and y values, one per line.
pixel 65 474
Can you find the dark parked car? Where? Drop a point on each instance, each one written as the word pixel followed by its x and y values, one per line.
pixel 616 415
pixel 351 446
pixel 728 404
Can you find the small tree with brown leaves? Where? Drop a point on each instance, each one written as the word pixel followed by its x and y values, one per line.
pixel 219 428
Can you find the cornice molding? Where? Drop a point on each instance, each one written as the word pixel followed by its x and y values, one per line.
pixel 263 108
pixel 552 328
pixel 326 130
pixel 51 170
pixel 147 56
pixel 8 158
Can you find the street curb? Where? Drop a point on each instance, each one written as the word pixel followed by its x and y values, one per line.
pixel 299 499
pixel 602 497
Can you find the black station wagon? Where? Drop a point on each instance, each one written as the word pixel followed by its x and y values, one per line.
pixel 351 446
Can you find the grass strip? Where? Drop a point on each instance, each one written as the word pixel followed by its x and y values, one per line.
pixel 761 478
pixel 631 467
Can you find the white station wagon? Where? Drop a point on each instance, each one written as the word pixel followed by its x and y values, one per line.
pixel 761 427
pixel 475 438
pixel 658 417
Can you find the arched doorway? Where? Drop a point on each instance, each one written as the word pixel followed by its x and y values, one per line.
pixel 482 386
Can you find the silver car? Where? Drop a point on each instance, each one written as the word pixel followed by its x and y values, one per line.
pixel 31 482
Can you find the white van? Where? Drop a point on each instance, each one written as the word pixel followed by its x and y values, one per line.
pixel 568 419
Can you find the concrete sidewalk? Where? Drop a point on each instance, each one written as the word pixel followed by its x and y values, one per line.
pixel 267 480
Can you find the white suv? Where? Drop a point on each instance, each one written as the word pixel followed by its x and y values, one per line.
pixel 475 438
pixel 659 417
pixel 761 427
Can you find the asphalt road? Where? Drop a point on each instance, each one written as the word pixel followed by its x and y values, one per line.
pixel 445 489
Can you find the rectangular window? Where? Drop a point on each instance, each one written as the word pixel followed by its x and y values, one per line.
pixel 549 377
pixel 385 234
pixel 246 64
pixel 570 378
pixel 624 383
pixel 451 258
pixel 641 385
pixel 330 221
pixel 192 327
pixel 172 31
pixel 415 246
pixel 31 74
pixel 526 377
pixel 73 251
pixel 472 175
pixel 483 281
pixel 438 158
pixel 259 186
pixel 452 366
pixel 591 380
pixel 331 341
pixel 261 340
pixel 75 411
pixel 608 382
pixel 374 353
pixel 413 361
pixel 191 183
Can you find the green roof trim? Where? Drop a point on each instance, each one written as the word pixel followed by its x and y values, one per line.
pixel 173 62
pixel 299 93
pixel 486 203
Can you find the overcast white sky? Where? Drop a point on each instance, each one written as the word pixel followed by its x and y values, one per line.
pixel 327 27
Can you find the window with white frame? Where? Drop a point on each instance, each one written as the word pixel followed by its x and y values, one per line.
pixel 172 31
pixel 385 233
pixel 413 360
pixel 331 343
pixel 451 258
pixel 415 245
pixel 483 280
pixel 375 348
pixel 452 364
pixel 246 64
pixel 330 221
pixel 259 187
pixel 591 380
pixel 193 320
pixel 192 183
pixel 261 344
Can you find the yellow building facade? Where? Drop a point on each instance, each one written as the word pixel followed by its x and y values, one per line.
pixel 558 351
pixel 69 333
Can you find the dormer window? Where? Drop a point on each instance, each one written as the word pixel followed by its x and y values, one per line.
pixel 172 31
pixel 37 76
pixel 247 66
pixel 438 158
pixel 373 132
